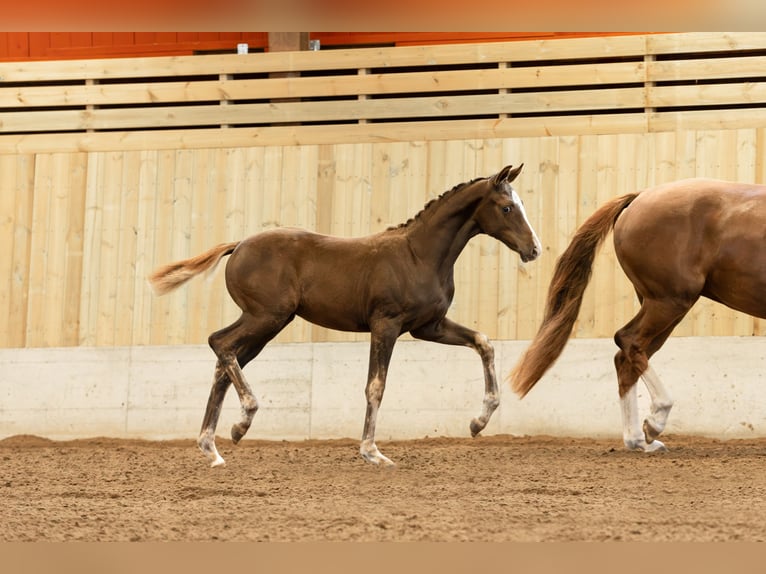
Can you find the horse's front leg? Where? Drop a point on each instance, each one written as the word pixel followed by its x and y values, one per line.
pixel 381 347
pixel 450 333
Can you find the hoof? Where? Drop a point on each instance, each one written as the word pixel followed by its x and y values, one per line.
pixel 380 460
pixel 655 446
pixel 643 446
pixel 237 432
pixel 650 432
pixel 373 455
pixel 476 427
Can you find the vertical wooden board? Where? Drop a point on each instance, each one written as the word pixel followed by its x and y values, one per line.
pixel 326 169
pixel 509 265
pixel 38 267
pixel 254 190
pixel 127 242
pixel 53 282
pixel 306 185
pixel 145 258
pixel 163 247
pixel 111 181
pixel 91 261
pixel 292 192
pixel 362 191
pixel 664 161
pixel 198 298
pixel 537 190
pixel 272 181
pixel 234 227
pixel 487 280
pixel 435 169
pixel 180 223
pixel 380 201
pixel 458 165
pixel 588 202
pixel 212 287
pixel 75 227
pixel 341 202
pixel 9 196
pixel 470 261
pixel 686 154
pixel 215 308
pixel 17 181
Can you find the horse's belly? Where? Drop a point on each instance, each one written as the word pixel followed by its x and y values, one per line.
pixel 743 291
pixel 336 319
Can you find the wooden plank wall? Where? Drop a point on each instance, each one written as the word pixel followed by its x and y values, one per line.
pixel 83 230
pixel 88 211
pixel 619 84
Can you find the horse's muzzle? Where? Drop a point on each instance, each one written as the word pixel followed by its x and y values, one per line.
pixel 531 255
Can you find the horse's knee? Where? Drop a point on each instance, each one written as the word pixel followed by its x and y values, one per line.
pixel 484 347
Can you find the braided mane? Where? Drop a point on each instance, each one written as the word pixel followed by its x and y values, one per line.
pixel 429 204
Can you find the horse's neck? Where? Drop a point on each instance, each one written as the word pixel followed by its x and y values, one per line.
pixel 443 231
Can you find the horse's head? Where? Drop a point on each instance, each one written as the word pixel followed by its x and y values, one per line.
pixel 501 215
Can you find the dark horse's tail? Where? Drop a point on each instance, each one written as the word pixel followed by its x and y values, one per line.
pixel 168 277
pixel 571 276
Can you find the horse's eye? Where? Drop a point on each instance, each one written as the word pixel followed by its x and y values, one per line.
pixel 507 209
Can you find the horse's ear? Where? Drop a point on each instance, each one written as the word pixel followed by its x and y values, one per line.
pixel 508 173
pixel 514 173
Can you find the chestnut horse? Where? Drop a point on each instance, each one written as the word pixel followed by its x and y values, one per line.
pixel 676 243
pixel 396 281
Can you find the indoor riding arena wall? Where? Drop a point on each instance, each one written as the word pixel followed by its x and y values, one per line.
pixel 109 168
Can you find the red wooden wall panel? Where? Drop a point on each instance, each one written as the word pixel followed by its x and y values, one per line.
pixel 71 45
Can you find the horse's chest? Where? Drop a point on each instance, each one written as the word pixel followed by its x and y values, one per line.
pixel 434 296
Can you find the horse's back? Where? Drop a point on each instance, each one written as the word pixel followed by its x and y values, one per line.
pixel 322 278
pixel 697 237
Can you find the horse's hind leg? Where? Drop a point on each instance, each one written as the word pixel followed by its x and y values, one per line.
pixel 206 440
pixel 450 333
pixel 638 341
pixel 235 346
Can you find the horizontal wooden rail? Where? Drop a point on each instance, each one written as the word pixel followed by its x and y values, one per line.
pixel 503 89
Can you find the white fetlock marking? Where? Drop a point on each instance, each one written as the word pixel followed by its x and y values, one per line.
pixel 632 433
pixel 662 402
pixel 370 453
pixel 206 444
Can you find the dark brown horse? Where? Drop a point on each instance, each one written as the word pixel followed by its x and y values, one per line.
pixel 396 281
pixel 676 243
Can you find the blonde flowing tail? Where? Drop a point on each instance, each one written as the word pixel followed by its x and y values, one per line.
pixel 166 278
pixel 565 293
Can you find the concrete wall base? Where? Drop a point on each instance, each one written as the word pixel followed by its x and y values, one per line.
pixel 316 390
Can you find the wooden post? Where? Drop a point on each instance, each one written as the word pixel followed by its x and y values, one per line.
pixel 288 41
pixel 285 42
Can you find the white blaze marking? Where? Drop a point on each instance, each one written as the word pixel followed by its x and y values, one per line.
pixel 517 201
